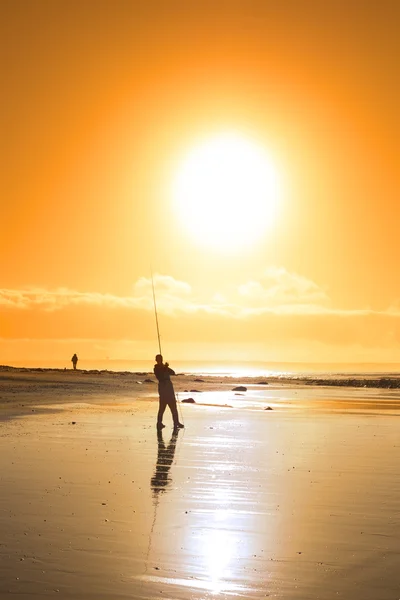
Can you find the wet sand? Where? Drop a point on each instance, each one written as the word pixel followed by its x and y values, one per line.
pixel 300 502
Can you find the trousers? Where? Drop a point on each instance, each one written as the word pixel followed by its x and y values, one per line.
pixel 167 398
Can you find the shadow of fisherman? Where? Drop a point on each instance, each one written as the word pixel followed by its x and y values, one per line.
pixel 165 458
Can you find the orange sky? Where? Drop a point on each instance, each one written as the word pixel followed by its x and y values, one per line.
pixel 101 102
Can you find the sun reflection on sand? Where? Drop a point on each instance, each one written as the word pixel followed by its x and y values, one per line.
pixel 219 550
pixel 217 546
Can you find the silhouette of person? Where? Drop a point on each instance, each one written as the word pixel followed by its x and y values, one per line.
pixel 166 393
pixel 74 360
pixel 165 458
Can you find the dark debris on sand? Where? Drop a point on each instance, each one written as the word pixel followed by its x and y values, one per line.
pixel 382 382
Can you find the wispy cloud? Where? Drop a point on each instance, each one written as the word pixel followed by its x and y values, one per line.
pixel 59 298
pixel 276 292
pixel 279 307
pixel 173 296
pixel 280 290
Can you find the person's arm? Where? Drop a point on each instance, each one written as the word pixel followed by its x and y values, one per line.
pixel 170 371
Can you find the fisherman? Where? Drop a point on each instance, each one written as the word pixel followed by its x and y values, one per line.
pixel 166 393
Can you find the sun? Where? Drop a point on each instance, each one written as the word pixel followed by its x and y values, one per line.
pixel 225 193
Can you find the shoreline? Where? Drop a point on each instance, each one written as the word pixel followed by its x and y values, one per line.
pixel 23 392
pixel 365 380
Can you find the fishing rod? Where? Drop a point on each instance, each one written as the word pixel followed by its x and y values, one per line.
pixel 155 312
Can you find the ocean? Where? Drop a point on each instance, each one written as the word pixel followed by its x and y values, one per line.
pixel 227 368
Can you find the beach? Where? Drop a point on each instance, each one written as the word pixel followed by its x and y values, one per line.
pixel 287 489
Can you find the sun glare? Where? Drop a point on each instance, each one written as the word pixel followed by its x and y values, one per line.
pixel 225 193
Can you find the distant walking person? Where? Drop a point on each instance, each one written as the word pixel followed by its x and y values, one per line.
pixel 74 360
pixel 166 393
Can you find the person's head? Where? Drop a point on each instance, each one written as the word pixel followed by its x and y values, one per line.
pixel 159 359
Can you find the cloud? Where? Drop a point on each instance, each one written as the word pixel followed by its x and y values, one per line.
pixel 276 292
pixel 278 308
pixel 283 291
pixel 171 294
pixel 172 297
pixel 163 283
pixel 394 308
pixel 57 299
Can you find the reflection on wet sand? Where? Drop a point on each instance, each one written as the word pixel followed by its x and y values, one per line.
pixel 165 457
pixel 262 507
pixel 161 479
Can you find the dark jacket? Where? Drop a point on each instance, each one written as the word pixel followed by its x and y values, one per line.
pixel 162 372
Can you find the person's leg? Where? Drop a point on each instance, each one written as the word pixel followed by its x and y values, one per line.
pixel 161 409
pixel 174 411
